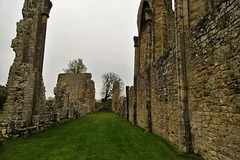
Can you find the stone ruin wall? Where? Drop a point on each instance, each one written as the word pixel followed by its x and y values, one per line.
pixel 155 81
pixel 123 107
pixel 213 71
pixel 187 73
pixel 25 111
pixel 186 77
pixel 116 97
pixel 120 103
pixel 131 104
pixel 164 98
pixel 74 96
pixel 25 105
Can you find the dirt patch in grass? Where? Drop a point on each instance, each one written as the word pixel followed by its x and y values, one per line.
pixel 97 122
pixel 143 133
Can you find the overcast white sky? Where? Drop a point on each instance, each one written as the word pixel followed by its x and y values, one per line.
pixel 98 31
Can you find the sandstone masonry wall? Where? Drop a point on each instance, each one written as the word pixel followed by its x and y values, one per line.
pixel 115 97
pixel 156 99
pixel 187 73
pixel 74 96
pixel 25 111
pixel 123 107
pixel 131 104
pixel 164 98
pixel 213 71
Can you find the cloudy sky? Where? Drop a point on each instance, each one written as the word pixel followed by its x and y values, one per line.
pixel 99 32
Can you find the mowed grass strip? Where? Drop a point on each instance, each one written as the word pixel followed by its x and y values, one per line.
pixel 97 136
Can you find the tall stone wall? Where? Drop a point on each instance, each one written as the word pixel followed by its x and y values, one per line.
pixel 164 98
pixel 74 96
pixel 25 111
pixel 187 73
pixel 213 72
pixel 25 105
pixel 155 64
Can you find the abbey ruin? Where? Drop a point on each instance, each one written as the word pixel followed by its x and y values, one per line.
pixel 186 77
pixel 25 111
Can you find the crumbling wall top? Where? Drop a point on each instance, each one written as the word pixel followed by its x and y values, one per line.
pixel 30 7
pixel 64 76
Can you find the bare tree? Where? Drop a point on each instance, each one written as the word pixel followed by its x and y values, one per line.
pixel 108 80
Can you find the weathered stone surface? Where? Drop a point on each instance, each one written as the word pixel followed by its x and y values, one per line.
pixel 74 96
pixel 212 61
pixel 186 77
pixel 123 107
pixel 187 74
pixel 131 105
pixel 25 105
pixel 25 111
pixel 115 97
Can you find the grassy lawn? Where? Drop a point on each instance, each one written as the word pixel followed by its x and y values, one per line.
pixel 98 136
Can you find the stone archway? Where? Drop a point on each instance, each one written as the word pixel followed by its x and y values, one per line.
pixel 145 35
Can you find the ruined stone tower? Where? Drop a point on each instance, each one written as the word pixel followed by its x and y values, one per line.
pixel 26 93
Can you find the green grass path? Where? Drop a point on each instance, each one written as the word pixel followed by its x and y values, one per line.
pixel 98 136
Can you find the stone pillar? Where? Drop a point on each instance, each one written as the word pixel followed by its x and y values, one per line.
pixel 26 92
pixel 136 73
pixel 148 52
pixel 127 95
pixel 148 100
pixel 148 60
pixel 92 96
pixel 115 97
pixel 137 60
pixel 148 117
pixel 182 24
